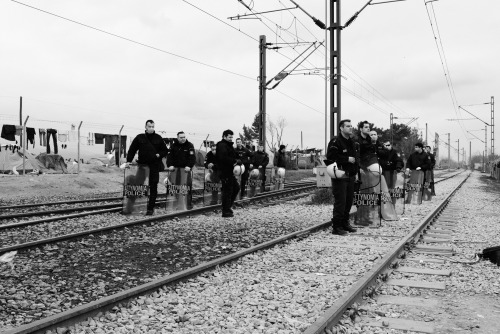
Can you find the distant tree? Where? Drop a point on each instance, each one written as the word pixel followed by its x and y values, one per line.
pixel 251 133
pixel 275 133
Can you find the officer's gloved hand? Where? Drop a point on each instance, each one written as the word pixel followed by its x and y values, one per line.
pixel 238 162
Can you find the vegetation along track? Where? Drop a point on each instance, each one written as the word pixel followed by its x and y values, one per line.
pixel 63 279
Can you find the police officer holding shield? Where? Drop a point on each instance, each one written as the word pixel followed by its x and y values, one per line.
pixel 151 149
pixel 226 159
pixel 244 155
pixel 181 154
pixel 342 150
pixel 260 160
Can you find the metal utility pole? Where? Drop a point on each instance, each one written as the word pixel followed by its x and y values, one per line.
pixel 262 90
pixel 492 127
pixel 486 142
pixel 436 147
pixel 390 129
pixel 470 155
pixel 79 126
pixel 449 157
pixel 21 114
pixel 335 67
pixel 458 152
pixel 426 142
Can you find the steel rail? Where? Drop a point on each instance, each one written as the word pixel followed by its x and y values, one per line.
pixel 82 312
pixel 104 206
pixel 152 219
pixel 335 312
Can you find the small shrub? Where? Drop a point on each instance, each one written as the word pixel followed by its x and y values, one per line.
pixel 322 196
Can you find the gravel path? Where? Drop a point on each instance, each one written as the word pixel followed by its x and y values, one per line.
pixel 471 300
pixel 280 290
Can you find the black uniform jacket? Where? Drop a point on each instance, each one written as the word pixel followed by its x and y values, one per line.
pixel 421 160
pixel 367 151
pixel 432 159
pixel 181 155
pixel 281 161
pixel 390 160
pixel 225 157
pixel 260 159
pixel 148 146
pixel 210 159
pixel 339 150
pixel 244 155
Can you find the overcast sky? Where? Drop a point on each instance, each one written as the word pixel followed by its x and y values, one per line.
pixel 68 73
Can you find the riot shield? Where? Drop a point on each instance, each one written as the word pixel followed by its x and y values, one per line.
pixel 397 191
pixel 387 208
pixel 212 188
pixel 254 183
pixel 135 190
pixel 414 187
pixel 367 200
pixel 427 187
pixel 279 180
pixel 273 180
pixel 179 190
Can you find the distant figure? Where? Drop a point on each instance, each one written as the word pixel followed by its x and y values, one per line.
pixel 280 157
pixel 432 159
pixel 260 160
pixel 151 150
pixel 226 159
pixel 245 156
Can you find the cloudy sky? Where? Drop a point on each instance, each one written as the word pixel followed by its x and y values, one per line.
pixel 67 72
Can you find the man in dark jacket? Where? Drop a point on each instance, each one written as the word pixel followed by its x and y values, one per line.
pixel 390 161
pixel 342 151
pixel 432 159
pixel 151 149
pixel 368 150
pixel 226 158
pixel 210 158
pixel 181 154
pixel 418 160
pixel 245 156
pixel 260 160
pixel 280 157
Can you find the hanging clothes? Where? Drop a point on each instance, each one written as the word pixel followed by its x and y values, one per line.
pixel 19 130
pixel 99 138
pixel 73 135
pixel 30 134
pixel 108 142
pixel 62 137
pixel 43 137
pixel 52 132
pixel 9 132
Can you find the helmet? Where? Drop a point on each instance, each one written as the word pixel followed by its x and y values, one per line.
pixel 374 168
pixel 334 171
pixel 238 170
pixel 281 172
pixel 208 177
pixel 254 173
pixel 167 181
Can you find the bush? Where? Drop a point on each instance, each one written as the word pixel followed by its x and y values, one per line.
pixel 322 196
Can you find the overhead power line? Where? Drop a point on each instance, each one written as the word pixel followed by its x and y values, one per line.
pixel 135 42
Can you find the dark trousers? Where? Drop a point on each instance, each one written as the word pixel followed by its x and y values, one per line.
pixel 264 178
pixel 53 133
pixel 244 179
pixel 230 189
pixel 154 178
pixel 343 193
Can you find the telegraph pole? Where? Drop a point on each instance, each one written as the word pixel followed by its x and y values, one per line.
pixel 262 90
pixel 426 142
pixel 470 155
pixel 492 127
pixel 335 67
pixel 449 157
pixel 390 129
pixel 458 152
pixel 21 115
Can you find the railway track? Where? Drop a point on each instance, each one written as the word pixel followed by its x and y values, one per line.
pixel 110 301
pixel 94 209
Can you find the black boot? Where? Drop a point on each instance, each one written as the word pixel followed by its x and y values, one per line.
pixel 338 230
pixel 347 227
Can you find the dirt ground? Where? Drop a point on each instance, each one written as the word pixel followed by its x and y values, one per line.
pixel 93 181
